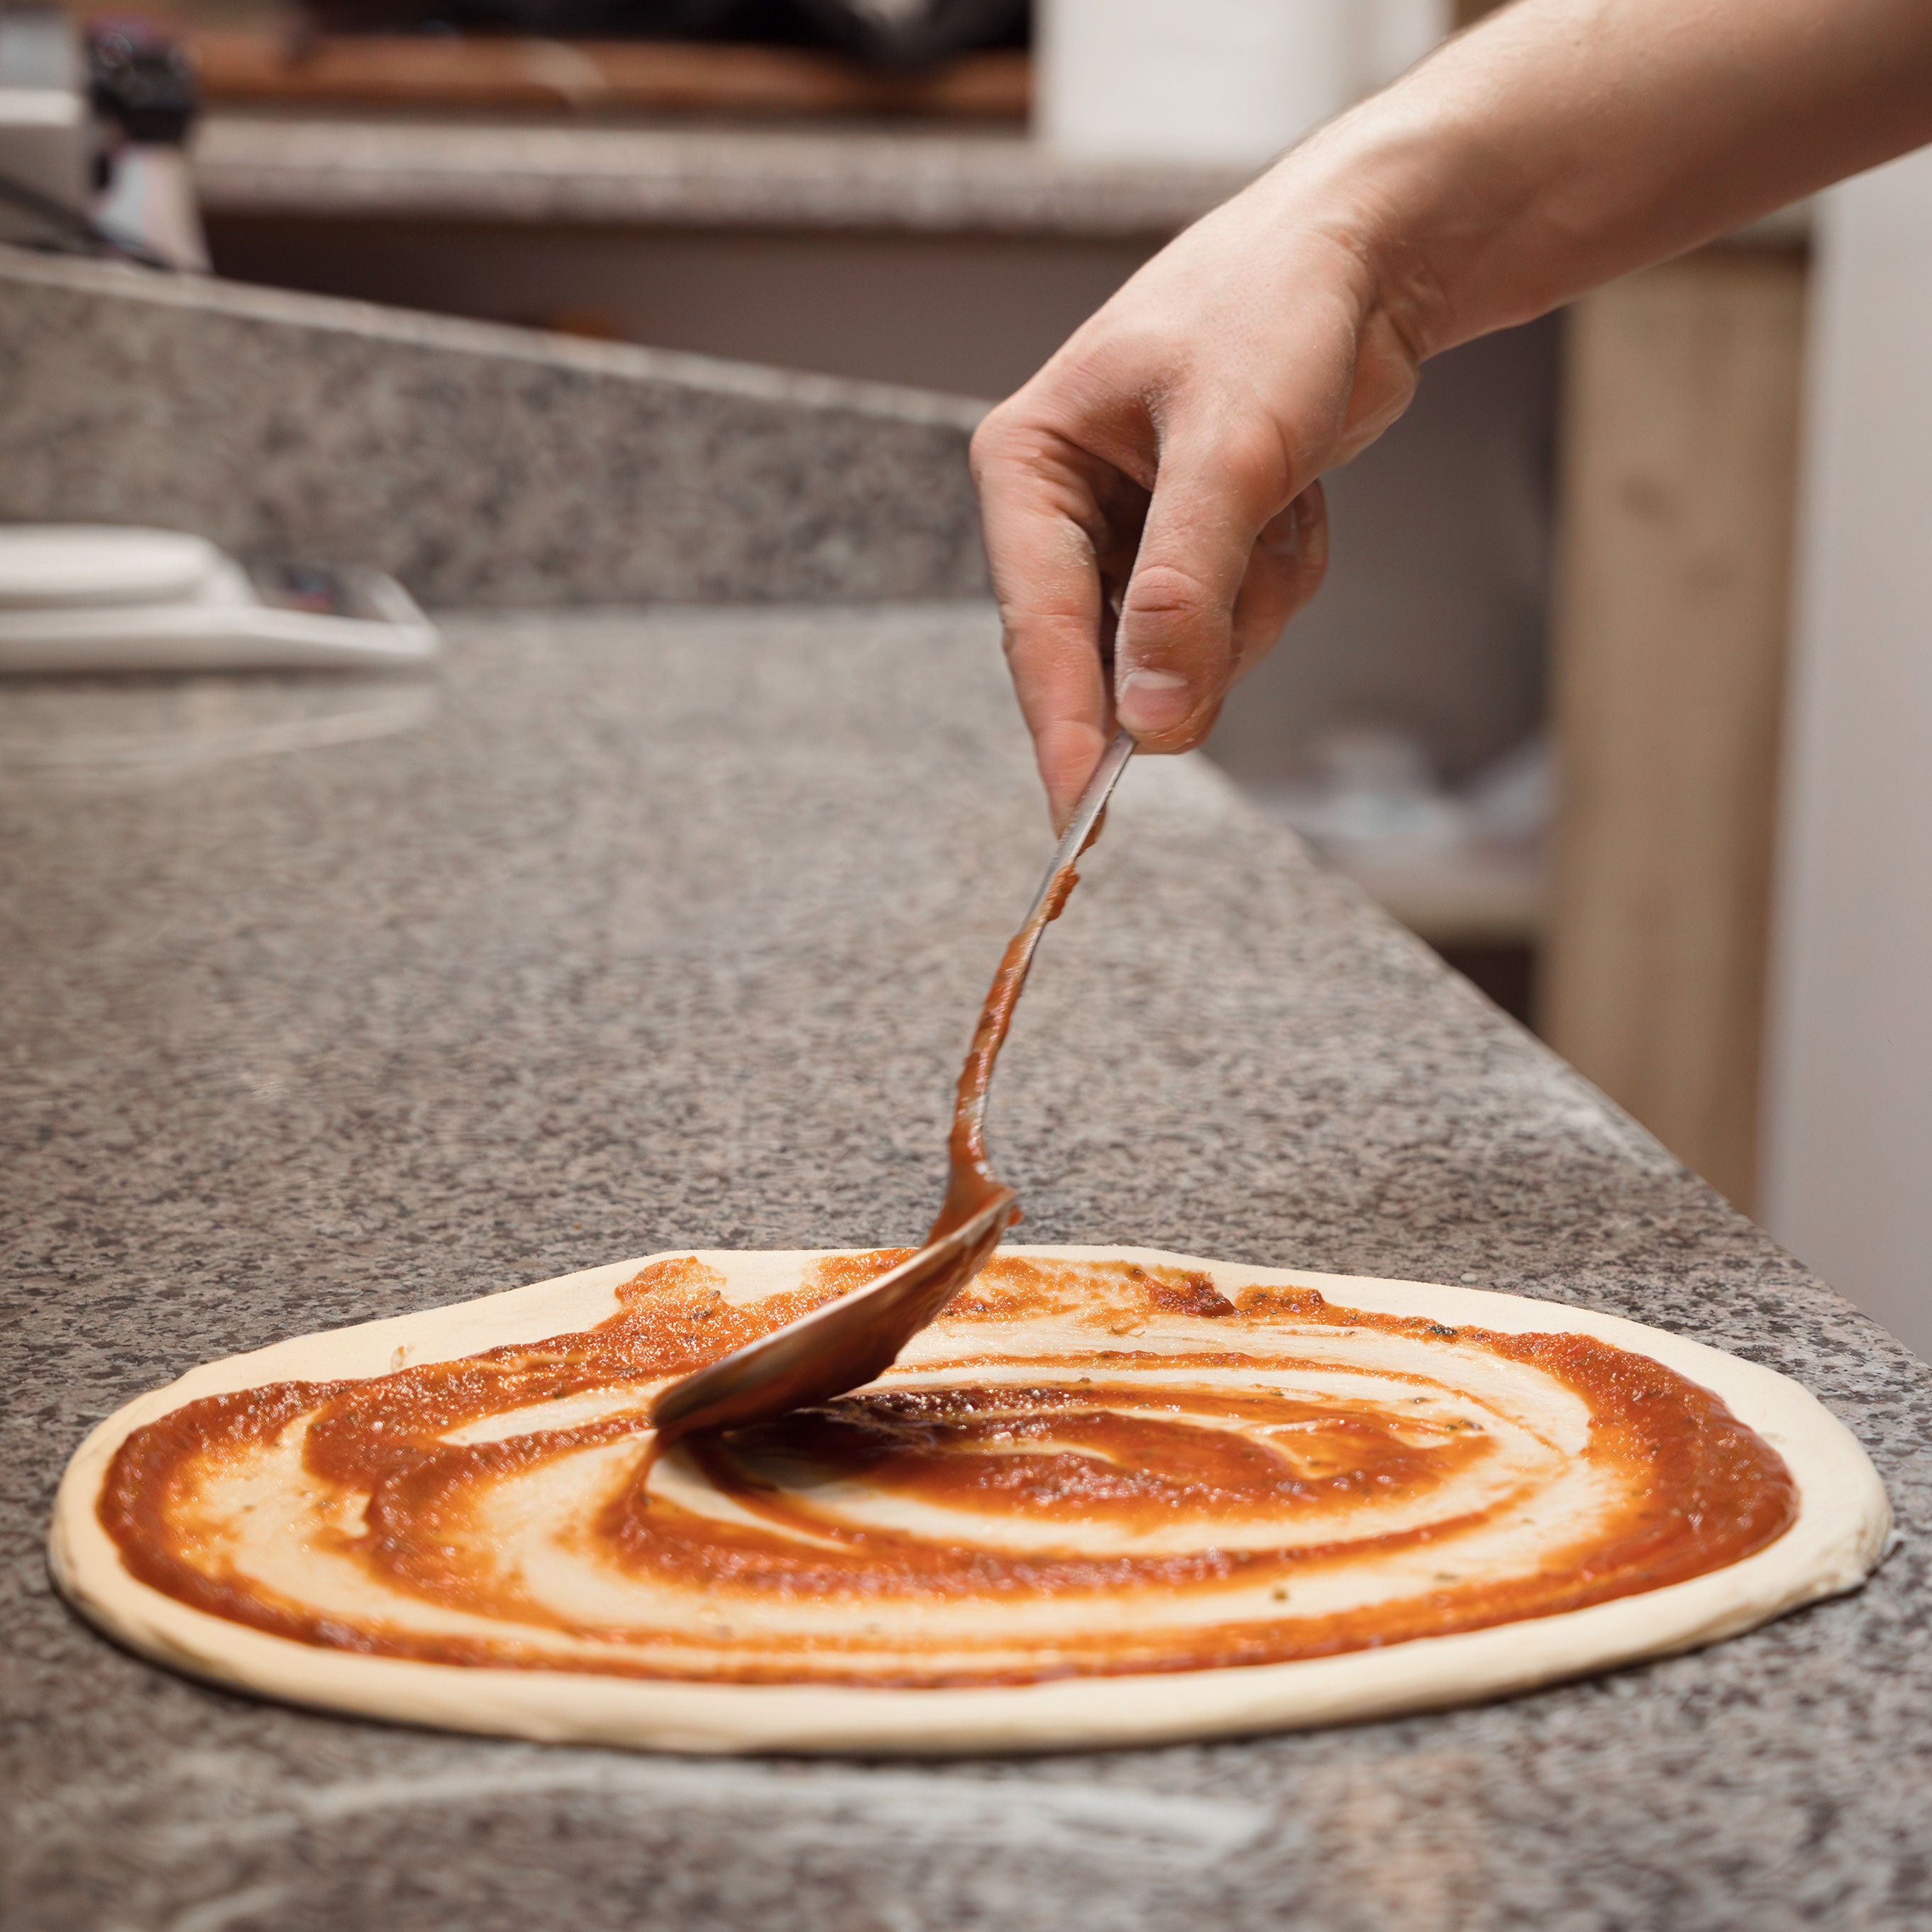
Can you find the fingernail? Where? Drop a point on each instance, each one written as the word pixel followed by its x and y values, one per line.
pixel 1282 538
pixel 1153 700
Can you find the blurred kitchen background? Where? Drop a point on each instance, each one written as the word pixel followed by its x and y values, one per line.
pixel 1559 707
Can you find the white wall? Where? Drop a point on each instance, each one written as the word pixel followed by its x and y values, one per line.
pixel 1848 1182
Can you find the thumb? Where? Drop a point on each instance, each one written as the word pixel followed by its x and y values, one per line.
pixel 1176 650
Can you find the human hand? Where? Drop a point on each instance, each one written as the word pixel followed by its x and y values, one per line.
pixel 1152 515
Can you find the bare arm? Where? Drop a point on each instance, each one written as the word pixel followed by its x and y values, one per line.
pixel 1152 507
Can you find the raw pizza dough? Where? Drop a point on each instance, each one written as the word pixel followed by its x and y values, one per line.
pixel 1114 1496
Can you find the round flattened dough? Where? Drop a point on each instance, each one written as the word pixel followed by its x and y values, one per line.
pixel 1839 1532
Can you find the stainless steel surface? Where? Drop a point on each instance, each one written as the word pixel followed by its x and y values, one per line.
pixel 46 140
pixel 846 1343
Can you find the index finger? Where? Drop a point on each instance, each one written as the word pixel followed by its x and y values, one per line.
pixel 1040 514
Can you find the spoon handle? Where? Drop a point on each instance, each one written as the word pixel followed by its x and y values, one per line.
pixel 970 1184
pixel 1079 832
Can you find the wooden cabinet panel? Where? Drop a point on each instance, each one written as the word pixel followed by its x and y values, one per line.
pixel 1680 441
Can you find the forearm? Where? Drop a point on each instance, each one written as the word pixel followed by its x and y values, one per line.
pixel 1565 142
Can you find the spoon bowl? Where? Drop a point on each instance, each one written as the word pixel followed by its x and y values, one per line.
pixel 840 1346
pixel 848 1342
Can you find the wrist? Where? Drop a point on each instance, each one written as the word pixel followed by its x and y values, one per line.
pixel 1436 213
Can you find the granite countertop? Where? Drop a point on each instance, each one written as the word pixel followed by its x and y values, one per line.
pixel 681 174
pixel 684 175
pixel 481 464
pixel 331 999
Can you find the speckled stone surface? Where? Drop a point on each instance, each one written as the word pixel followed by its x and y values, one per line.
pixel 880 180
pixel 480 464
pixel 686 176
pixel 325 1002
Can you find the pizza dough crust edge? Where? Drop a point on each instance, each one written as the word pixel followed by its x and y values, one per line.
pixel 1844 1520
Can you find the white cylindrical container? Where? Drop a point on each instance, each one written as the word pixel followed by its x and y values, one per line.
pixel 1391 35
pixel 1201 80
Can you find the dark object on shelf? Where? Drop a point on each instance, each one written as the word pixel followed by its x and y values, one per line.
pixel 646 19
pixel 886 33
pixel 142 87
pixel 914 33
pixel 513 73
pixel 141 83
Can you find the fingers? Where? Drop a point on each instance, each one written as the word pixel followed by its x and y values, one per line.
pixel 1045 530
pixel 1062 525
pixel 1222 566
pixel 1290 558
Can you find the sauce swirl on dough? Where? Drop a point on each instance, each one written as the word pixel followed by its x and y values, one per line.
pixel 1084 1468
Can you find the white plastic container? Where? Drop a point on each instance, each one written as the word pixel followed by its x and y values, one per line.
pixel 83 598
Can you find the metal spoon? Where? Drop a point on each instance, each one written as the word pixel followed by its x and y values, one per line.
pixel 844 1344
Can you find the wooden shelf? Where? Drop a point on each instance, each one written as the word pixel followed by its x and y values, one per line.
pixel 260 67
